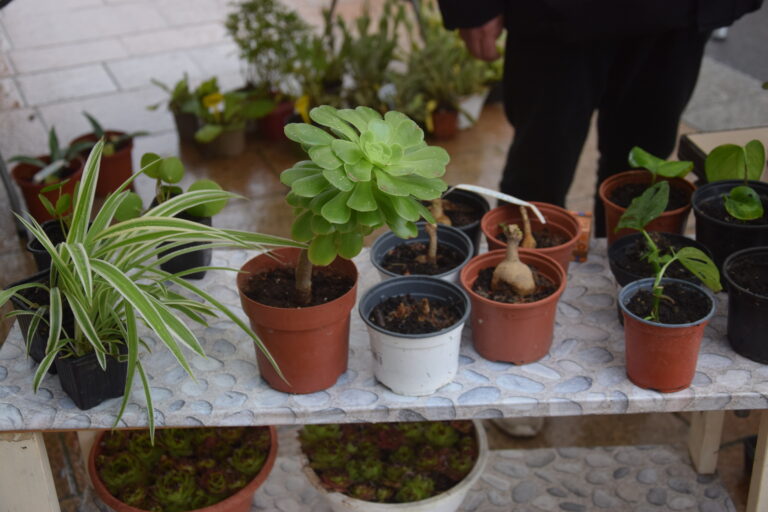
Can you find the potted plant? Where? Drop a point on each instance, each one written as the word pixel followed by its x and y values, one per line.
pixel 48 176
pixel 267 34
pixel 664 320
pixel 397 466
pixel 617 193
pixel 746 277
pixel 463 209
pixel 222 120
pixel 730 210
pixel 107 278
pixel 514 296
pixel 369 171
pixel 197 469
pixel 182 103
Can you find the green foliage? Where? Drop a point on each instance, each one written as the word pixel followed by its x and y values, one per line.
pixel 733 162
pixel 58 159
pixel 180 97
pixel 645 207
pixel 222 112
pixel 367 172
pixel 113 142
pixel 658 166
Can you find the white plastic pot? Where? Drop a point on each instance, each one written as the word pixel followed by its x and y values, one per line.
pixel 470 108
pixel 415 364
pixel 449 501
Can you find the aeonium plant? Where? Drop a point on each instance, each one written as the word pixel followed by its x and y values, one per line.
pixel 645 208
pixel 639 157
pixel 733 162
pixel 365 171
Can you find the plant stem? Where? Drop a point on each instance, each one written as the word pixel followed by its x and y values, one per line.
pixel 431 230
pixel 529 242
pixel 658 290
pixel 304 278
pixel 653 252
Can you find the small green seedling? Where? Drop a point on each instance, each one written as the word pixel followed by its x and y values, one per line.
pixel 111 142
pixel 733 162
pixel 657 166
pixel 59 157
pixel 646 207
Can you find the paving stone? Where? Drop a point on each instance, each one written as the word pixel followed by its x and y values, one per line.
pixel 682 503
pixel 176 38
pixel 603 499
pixel 539 459
pixel 30 60
pixel 598 477
pixel 647 476
pixel 657 496
pixel 680 485
pixel 65 84
pixel 135 72
pixel 557 492
pixel 524 492
pixel 572 507
pixel 621 473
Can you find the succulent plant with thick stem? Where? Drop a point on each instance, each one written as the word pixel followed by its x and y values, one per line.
pixel 512 271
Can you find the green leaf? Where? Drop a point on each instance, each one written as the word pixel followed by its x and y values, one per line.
pixel 297 201
pixel 347 151
pixel 310 186
pixel 645 207
pixel 421 188
pixel 368 114
pixel 171 170
pixel 725 162
pixel 322 250
pixel 360 171
pixel 639 157
pixel 354 118
pixel 47 205
pixel 320 226
pixel 744 203
pixel 288 176
pixel 208 133
pixel 350 244
pixel 675 169
pixel 301 229
pixel 373 219
pixel 326 116
pixel 324 157
pixel 362 197
pixel 63 203
pixel 700 266
pixel 257 109
pixel 754 153
pixel 150 164
pixel 208 209
pixel 429 161
pixel 307 134
pixel 336 210
pixel 407 208
pixel 406 132
pixel 130 207
pixel 316 203
pixel 380 131
pixel 338 179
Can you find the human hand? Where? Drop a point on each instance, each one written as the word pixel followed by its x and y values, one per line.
pixel 481 41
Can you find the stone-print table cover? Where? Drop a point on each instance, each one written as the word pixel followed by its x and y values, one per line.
pixel 583 374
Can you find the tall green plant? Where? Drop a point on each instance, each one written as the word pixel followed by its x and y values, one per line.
pixel 365 171
pixel 733 162
pixel 638 157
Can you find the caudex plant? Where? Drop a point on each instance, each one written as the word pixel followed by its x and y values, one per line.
pixel 733 162
pixel 511 271
pixel 638 157
pixel 365 171
pixel 645 208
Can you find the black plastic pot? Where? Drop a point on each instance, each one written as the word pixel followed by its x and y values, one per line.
pixel 472 230
pixel 186 126
pixel 53 229
pixel 200 258
pixel 623 276
pixel 747 311
pixel 87 384
pixel 40 336
pixel 724 238
pixel 446 235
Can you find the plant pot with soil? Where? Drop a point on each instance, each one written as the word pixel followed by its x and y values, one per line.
pixel 372 171
pixel 183 105
pixel 405 466
pixel 440 252
pixel 463 209
pixel 198 469
pixel 556 238
pixel 746 276
pixel 415 325
pixel 514 296
pixel 617 192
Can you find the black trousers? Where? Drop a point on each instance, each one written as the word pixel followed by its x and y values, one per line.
pixel 638 85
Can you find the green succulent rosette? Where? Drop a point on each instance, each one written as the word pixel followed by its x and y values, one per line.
pixel 365 171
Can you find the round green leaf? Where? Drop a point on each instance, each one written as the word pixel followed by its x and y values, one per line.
pixel 171 170
pixel 350 244
pixel 301 230
pixel 322 250
pixel 336 210
pixel 307 134
pixel 320 226
pixel 207 209
pixel 725 162
pixel 150 164
pixel 130 208
pixel 744 203
pixel 362 199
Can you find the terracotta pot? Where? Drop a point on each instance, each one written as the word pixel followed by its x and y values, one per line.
pixel 273 124
pixel 115 168
pixel 559 220
pixel 446 124
pixel 22 176
pixel 513 333
pixel 229 144
pixel 672 221
pixel 186 126
pixel 310 345
pixel 241 501
pixel 661 357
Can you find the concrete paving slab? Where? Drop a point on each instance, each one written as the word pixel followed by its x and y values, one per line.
pixel 216 60
pixel 167 67
pixel 186 12
pixel 45 58
pixel 23 133
pixel 70 83
pixel 10 98
pixel 191 36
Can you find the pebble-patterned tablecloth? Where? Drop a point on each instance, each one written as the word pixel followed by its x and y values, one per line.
pixel 583 374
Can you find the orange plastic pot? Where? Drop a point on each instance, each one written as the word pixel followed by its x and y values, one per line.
pixel 241 501
pixel 272 125
pixel 513 333
pixel 22 176
pixel 446 124
pixel 310 345
pixel 672 221
pixel 559 221
pixel 115 168
pixel 661 357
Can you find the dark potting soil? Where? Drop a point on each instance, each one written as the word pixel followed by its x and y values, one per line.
pixel 409 259
pixel 277 288
pixel 715 208
pixel 632 259
pixel 55 235
pixel 624 194
pixel 751 273
pixel 544 288
pixel 545 237
pixel 682 304
pixel 410 315
pixel 460 213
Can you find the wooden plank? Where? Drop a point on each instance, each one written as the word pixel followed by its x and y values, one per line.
pixel 26 482
pixel 704 440
pixel 758 486
pixel 86 439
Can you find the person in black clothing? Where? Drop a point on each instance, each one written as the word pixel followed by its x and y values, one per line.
pixel 634 61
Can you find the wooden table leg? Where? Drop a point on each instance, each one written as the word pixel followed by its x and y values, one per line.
pixel 704 440
pixel 26 482
pixel 758 486
pixel 86 438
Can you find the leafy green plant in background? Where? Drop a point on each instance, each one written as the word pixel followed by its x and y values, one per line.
pixel 109 276
pixel 59 158
pixel 112 142
pixel 638 157
pixel 734 162
pixel 369 171
pixel 180 98
pixel 645 208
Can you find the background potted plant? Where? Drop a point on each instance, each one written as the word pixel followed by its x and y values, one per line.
pixel 200 469
pixel 49 175
pixel 369 172
pixel 182 103
pixel 382 467
pixel 117 157
pixel 617 193
pixel 746 276
pixel 730 210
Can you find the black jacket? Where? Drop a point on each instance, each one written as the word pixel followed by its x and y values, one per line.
pixel 594 19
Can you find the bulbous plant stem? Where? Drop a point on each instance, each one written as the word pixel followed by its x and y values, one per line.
pixel 512 271
pixel 303 279
pixel 431 230
pixel 529 242
pixel 436 208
